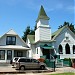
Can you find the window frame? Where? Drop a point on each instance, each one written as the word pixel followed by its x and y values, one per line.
pixel 3 56
pixel 60 48
pixel 73 49
pixel 8 55
pixel 10 42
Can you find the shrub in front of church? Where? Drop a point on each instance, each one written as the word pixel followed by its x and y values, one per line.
pixel 67 61
pixel 41 59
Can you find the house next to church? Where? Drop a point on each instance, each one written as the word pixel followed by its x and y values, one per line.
pixel 45 43
pixel 11 45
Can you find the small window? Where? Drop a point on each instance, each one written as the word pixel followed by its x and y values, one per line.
pixel 35 61
pixel 24 60
pixel 16 59
pixel 67 38
pixel 11 40
pixel 36 50
pixel 2 54
pixel 67 48
pixel 60 49
pixel 28 60
pixel 73 49
pixel 21 60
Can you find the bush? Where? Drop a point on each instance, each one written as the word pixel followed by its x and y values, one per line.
pixel 66 59
pixel 41 59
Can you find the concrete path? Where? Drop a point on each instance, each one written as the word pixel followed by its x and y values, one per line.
pixel 58 70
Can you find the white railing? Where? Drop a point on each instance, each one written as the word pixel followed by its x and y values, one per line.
pixel 51 56
pixel 62 56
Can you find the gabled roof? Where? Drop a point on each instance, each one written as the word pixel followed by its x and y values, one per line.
pixel 12 32
pixel 56 33
pixel 31 38
pixel 42 14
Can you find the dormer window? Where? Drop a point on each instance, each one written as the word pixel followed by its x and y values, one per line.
pixel 10 40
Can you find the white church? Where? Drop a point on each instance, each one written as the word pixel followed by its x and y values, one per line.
pixel 45 43
pixel 42 44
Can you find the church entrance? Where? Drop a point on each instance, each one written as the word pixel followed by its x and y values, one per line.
pixel 46 52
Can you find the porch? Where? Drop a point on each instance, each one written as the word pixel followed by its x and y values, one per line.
pixel 9 52
pixel 48 52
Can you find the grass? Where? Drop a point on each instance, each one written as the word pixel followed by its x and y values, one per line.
pixel 69 73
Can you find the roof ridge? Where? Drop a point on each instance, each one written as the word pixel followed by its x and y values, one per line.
pixel 56 33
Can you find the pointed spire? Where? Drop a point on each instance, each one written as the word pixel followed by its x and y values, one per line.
pixel 42 14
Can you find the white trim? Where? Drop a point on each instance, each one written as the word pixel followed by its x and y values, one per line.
pixel 11 47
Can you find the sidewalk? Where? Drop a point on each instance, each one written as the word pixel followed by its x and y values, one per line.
pixel 34 72
pixel 58 70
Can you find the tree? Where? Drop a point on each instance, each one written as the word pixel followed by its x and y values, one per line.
pixel 71 26
pixel 26 32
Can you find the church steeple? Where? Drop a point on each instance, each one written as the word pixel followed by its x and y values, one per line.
pixel 42 14
pixel 43 30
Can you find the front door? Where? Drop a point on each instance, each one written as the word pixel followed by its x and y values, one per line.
pixel 46 52
pixel 9 54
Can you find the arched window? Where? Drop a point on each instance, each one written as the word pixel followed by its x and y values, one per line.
pixel 73 49
pixel 67 48
pixel 60 49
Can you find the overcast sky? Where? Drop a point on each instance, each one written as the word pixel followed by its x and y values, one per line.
pixel 18 14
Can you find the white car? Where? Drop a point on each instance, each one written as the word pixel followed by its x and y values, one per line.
pixel 14 60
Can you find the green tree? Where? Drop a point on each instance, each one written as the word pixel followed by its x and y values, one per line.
pixel 26 32
pixel 70 25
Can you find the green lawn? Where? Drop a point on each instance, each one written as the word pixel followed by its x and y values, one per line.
pixel 69 73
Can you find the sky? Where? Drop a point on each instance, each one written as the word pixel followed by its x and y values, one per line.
pixel 18 14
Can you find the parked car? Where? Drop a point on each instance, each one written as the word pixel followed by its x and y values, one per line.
pixel 14 60
pixel 28 63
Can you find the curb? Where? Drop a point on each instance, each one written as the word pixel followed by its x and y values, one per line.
pixel 24 72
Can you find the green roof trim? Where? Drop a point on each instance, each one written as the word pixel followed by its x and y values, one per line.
pixel 46 47
pixel 56 33
pixel 31 38
pixel 42 14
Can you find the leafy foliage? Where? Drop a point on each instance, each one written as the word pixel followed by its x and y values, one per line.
pixel 70 25
pixel 27 31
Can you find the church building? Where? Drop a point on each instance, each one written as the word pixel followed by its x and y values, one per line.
pixel 47 44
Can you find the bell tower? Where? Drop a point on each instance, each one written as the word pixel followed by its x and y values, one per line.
pixel 43 30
